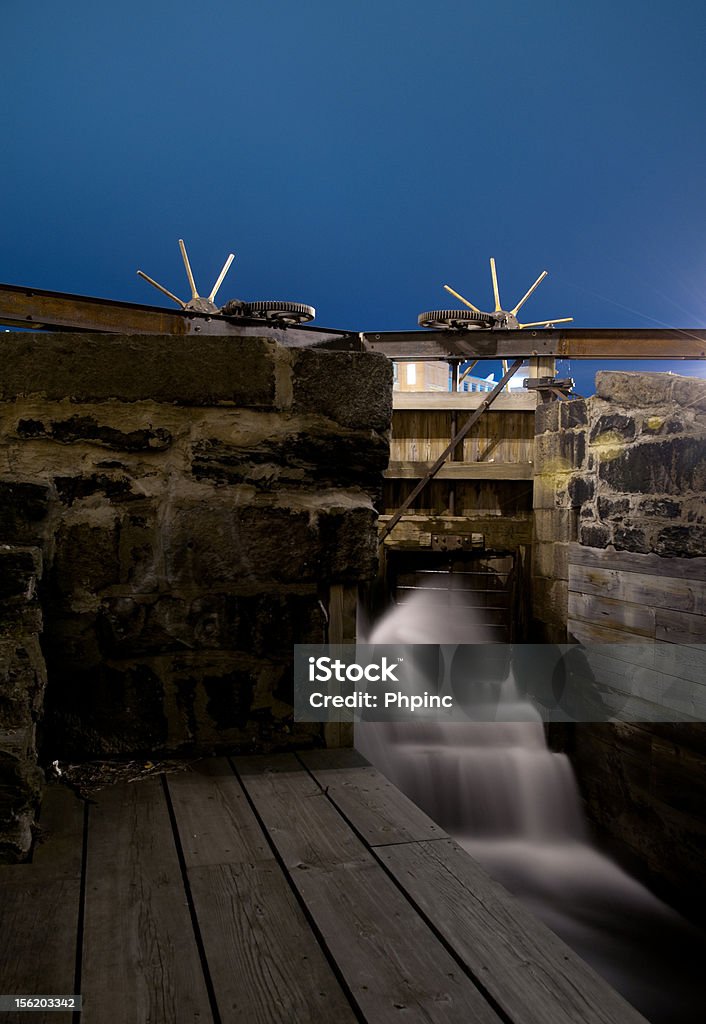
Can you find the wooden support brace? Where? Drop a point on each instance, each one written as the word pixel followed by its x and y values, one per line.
pixel 431 473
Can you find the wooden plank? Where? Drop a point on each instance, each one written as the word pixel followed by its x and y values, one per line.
pixel 657 591
pixel 140 957
pixel 462 470
pixel 533 976
pixel 633 619
pixel 590 633
pixel 264 960
pixel 39 909
pixel 380 812
pixel 216 825
pixel 680 627
pixel 629 561
pixel 515 401
pixel 392 962
pixel 263 957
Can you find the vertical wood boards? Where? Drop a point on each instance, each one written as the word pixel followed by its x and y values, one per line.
pixel 380 812
pixel 140 956
pixel 526 969
pixel 389 958
pixel 263 957
pixel 422 435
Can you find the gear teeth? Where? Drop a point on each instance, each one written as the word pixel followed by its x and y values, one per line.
pixel 450 318
pixel 294 312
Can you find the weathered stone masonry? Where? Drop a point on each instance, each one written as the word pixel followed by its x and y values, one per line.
pixel 620 557
pixel 183 508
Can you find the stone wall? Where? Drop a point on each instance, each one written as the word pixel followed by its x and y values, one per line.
pixel 621 487
pixel 623 471
pixel 22 684
pixel 193 502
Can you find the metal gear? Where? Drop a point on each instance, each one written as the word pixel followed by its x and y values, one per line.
pixel 449 318
pixel 286 312
pixel 472 318
pixel 281 312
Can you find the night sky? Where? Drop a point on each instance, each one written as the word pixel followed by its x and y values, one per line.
pixel 358 156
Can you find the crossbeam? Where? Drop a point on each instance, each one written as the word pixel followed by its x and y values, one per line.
pixel 455 440
pixel 569 343
pixel 39 309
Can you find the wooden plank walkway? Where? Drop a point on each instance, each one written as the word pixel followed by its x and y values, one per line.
pixel 293 889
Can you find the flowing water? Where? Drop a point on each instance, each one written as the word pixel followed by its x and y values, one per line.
pixel 515 807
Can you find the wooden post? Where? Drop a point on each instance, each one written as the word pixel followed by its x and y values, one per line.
pixel 342 609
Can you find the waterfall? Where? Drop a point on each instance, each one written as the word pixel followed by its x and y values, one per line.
pixel 514 805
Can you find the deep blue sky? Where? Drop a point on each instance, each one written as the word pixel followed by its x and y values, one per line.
pixel 357 156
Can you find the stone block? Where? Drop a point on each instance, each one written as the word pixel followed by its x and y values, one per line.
pixel 551 491
pixel 634 390
pixel 265 624
pixel 208 546
pixel 22 681
pixel 660 508
pixel 349 545
pixel 140 547
pixel 88 430
pixel 21 785
pixel 351 388
pixel 555 525
pixel 113 487
pixel 191 371
pixel 581 489
pixel 613 428
pixel 20 569
pixel 24 507
pixel 630 538
pixel 656 424
pixel 86 558
pixel 551 561
pixel 594 535
pixel 560 452
pixel 659 467
pixel 573 413
pixel 546 417
pixel 681 541
pixel 613 508
pixel 316 457
pixel 689 392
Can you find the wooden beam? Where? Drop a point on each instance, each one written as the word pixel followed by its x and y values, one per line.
pixel 629 561
pixel 462 471
pixel 444 401
pixel 431 473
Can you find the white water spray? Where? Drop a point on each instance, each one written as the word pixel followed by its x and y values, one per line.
pixel 515 807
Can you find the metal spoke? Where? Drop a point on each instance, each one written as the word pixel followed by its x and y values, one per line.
pixel 161 288
pixel 548 323
pixel 496 293
pixel 528 293
pixel 461 299
pixel 219 282
pixel 187 265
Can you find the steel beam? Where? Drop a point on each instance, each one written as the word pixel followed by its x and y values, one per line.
pixel 570 343
pixel 38 310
